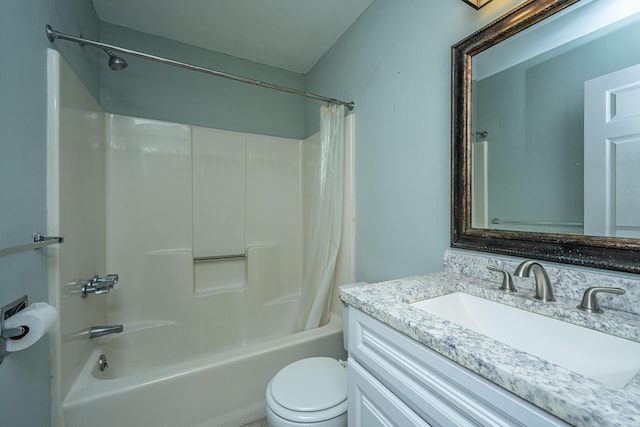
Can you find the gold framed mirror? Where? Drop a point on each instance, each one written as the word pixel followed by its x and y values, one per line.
pixel 550 206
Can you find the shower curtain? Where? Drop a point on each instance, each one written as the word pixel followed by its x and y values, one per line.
pixel 326 220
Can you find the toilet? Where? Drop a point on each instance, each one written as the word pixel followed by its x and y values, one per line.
pixel 310 392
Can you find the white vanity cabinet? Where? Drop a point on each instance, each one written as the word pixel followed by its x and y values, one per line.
pixel 396 381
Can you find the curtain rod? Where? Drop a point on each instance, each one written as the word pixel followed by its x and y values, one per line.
pixel 54 34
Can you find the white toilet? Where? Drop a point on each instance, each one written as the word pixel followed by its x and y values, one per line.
pixel 310 392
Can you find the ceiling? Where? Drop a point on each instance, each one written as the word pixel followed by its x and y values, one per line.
pixel 288 34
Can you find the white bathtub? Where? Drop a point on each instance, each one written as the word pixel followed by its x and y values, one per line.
pixel 151 381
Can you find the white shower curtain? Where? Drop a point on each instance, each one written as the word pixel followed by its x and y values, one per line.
pixel 326 220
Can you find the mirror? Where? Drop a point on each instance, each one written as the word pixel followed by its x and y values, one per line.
pixel 546 134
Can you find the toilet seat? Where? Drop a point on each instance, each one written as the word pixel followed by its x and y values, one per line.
pixel 309 390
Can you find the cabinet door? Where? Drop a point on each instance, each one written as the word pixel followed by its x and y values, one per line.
pixel 438 390
pixel 372 405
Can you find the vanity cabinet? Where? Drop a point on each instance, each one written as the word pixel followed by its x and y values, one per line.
pixel 394 380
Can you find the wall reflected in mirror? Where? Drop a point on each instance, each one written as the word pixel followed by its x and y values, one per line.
pixel 556 125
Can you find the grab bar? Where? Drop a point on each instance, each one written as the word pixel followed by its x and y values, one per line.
pixel 555 223
pixel 216 258
pixel 39 241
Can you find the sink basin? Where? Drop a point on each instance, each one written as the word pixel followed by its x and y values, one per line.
pixel 611 360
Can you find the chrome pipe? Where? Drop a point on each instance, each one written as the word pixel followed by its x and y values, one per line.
pixel 54 34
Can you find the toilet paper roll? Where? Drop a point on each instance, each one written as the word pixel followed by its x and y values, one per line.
pixel 39 317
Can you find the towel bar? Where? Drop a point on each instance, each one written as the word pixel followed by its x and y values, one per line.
pixel 39 241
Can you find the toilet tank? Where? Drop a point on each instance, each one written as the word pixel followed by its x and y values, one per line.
pixel 345 318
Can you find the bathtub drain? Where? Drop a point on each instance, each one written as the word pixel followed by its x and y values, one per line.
pixel 102 362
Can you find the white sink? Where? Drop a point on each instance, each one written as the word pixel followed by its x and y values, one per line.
pixel 611 360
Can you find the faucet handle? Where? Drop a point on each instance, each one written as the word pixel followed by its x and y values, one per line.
pixel 99 285
pixel 507 280
pixel 590 302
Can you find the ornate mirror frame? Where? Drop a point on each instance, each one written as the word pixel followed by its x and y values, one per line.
pixel 622 254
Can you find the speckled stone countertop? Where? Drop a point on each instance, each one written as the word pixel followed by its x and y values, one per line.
pixel 568 395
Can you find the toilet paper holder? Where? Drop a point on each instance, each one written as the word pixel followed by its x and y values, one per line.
pixel 6 312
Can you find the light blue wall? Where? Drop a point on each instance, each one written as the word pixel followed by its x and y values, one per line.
pixel 24 376
pixel 152 90
pixel 395 63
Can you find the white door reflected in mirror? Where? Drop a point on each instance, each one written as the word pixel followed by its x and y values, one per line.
pixel 612 154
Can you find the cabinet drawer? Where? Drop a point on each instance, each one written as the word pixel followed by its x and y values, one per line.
pixel 437 389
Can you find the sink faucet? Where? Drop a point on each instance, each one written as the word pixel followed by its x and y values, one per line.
pixel 99 331
pixel 543 284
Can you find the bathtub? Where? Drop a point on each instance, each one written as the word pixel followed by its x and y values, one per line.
pixel 152 381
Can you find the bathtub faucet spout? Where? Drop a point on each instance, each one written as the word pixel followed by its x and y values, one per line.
pixel 99 331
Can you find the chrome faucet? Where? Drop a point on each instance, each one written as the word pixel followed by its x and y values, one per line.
pixel 99 331
pixel 544 292
pixel 99 285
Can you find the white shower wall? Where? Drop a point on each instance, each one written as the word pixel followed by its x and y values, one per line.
pixel 175 192
pixel 75 210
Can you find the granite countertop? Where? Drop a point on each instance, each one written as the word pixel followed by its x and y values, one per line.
pixel 568 395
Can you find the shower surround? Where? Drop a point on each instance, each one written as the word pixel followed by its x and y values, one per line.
pixel 177 193
pixel 151 201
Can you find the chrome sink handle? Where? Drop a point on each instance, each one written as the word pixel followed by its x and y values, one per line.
pixel 507 280
pixel 544 291
pixel 590 302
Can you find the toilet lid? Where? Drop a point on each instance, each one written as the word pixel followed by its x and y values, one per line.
pixel 311 384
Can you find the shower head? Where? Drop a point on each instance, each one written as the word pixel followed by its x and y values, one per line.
pixel 115 62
